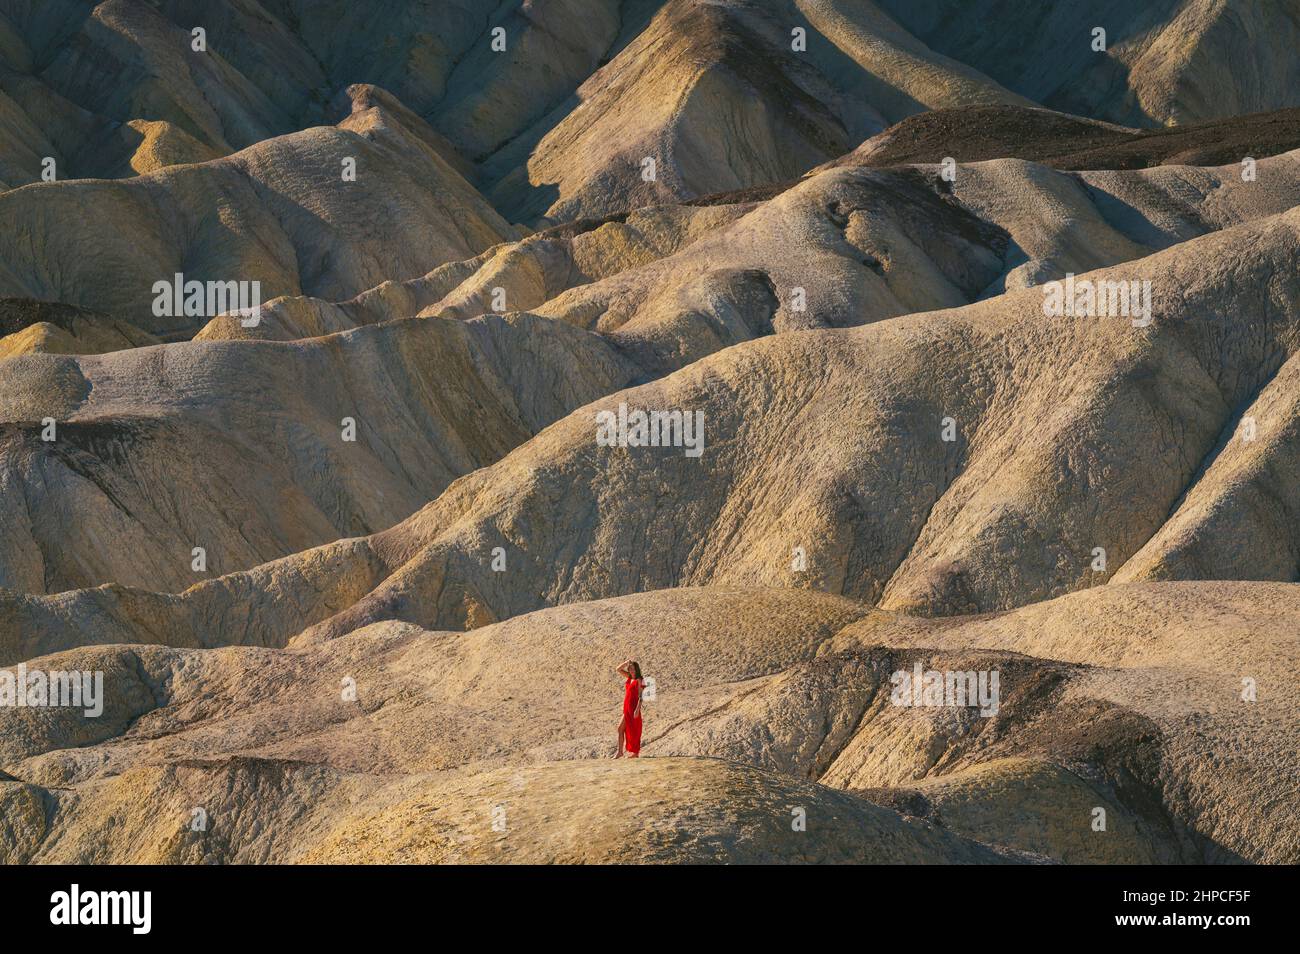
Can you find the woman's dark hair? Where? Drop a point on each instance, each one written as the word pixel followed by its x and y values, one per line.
pixel 636 668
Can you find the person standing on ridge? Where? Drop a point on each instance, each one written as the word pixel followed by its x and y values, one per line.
pixel 629 727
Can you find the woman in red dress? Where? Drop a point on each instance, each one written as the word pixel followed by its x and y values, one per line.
pixel 629 727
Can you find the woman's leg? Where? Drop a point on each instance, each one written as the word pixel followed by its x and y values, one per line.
pixel 622 726
pixel 632 737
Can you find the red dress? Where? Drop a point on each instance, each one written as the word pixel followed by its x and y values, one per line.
pixel 632 724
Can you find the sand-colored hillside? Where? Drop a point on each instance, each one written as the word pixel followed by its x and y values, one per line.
pixel 279 212
pixel 450 733
pixel 262 428
pixel 1069 435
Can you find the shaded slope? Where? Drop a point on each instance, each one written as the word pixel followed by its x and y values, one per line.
pixel 79 70
pixel 1070 434
pixel 279 213
pixel 28 326
pixel 239 447
pixel 1239 520
pixel 1165 62
pixel 1176 655
pixel 973 134
pixel 1106 700
pixel 1085 440
pixel 714 94
pixel 672 283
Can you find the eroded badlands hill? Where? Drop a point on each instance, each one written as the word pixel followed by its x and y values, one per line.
pixel 263 430
pixel 435 399
pixel 1068 435
pixel 279 213
pixel 1124 698
pixel 1168 62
